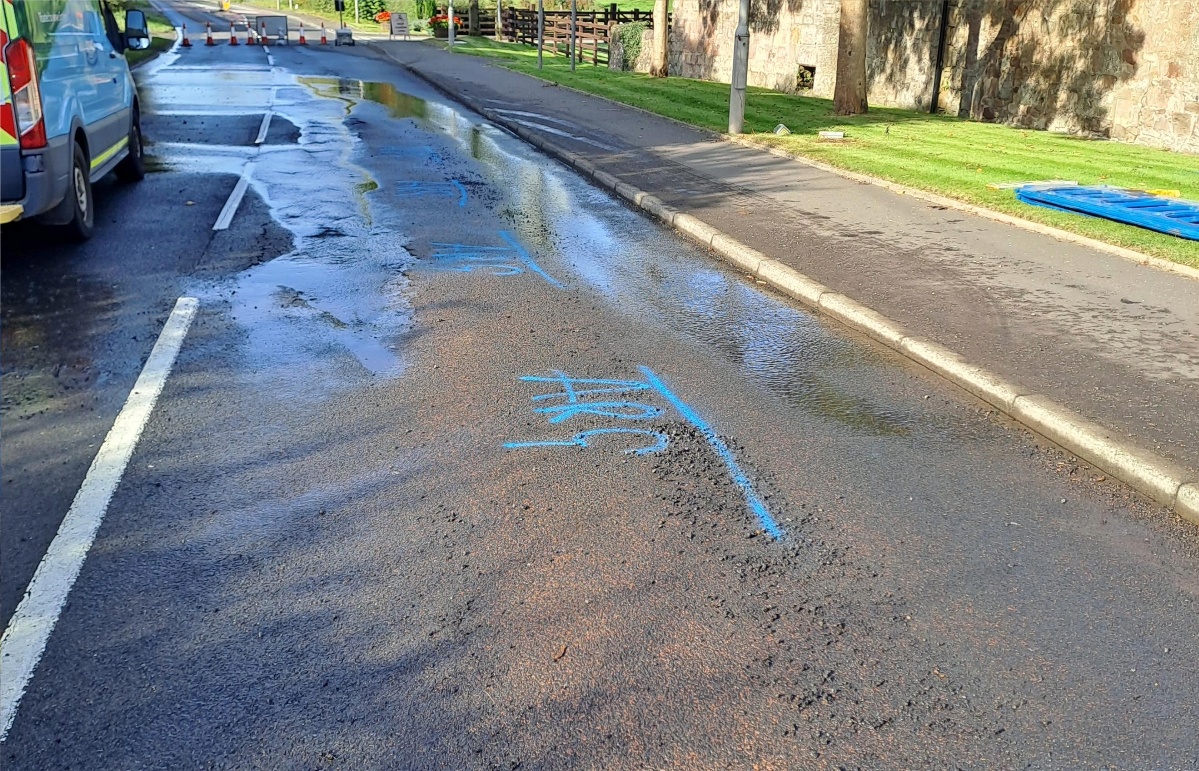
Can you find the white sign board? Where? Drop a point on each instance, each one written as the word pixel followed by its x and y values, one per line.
pixel 399 25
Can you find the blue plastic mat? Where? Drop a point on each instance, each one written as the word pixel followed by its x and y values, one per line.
pixel 1172 216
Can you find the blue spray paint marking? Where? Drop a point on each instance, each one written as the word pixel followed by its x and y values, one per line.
pixel 490 268
pixel 571 393
pixel 620 410
pixel 524 256
pixel 751 497
pixel 477 259
pixel 443 189
pixel 580 440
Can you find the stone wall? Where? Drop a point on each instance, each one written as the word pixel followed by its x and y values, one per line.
pixel 1128 69
pixel 617 60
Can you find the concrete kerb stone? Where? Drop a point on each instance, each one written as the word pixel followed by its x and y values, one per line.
pixel 854 314
pixel 987 386
pixel 1138 468
pixel 1186 504
pixel 1145 471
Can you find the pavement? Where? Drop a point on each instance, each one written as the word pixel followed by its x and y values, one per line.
pixel 464 464
pixel 1114 341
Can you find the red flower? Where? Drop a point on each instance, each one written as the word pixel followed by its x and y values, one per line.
pixel 383 17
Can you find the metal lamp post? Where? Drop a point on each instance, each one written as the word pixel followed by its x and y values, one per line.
pixel 574 31
pixel 740 70
pixel 452 26
pixel 540 30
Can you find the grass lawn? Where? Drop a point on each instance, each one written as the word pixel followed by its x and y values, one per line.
pixel 937 153
pixel 162 34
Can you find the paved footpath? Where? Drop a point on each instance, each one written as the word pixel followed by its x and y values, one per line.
pixel 1115 341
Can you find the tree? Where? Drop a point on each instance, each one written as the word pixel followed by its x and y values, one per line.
pixel 472 23
pixel 661 40
pixel 849 94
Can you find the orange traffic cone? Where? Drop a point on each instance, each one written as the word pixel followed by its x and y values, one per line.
pixel 186 43
pixel 232 35
pixel 210 41
pixel 303 40
pixel 262 38
pixel 324 40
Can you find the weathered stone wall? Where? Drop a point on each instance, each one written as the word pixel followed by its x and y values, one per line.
pixel 618 60
pixel 1128 69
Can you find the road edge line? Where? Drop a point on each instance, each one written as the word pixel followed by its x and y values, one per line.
pixel 1168 483
pixel 24 641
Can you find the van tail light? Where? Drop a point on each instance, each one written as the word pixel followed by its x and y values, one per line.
pixel 26 97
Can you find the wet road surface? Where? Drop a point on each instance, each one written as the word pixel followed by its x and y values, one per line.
pixel 465 465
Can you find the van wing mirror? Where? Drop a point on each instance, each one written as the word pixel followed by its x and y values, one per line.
pixel 137 30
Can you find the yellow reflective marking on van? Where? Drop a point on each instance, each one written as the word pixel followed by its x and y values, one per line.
pixel 104 156
pixel 10 212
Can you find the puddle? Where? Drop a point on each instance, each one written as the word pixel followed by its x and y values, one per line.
pixel 337 300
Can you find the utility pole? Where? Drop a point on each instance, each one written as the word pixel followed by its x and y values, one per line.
pixel 357 16
pixel 740 70
pixel 540 30
pixel 574 22
pixel 452 25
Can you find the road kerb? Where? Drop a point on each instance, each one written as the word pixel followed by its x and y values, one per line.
pixel 1139 468
pixel 1186 504
pixel 854 314
pixel 696 229
pixel 791 282
pixel 987 386
pixel 1143 470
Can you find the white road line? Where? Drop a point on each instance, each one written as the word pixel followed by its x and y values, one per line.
pixel 239 190
pixel 270 60
pixel 266 125
pixel 539 117
pixel 25 639
pixel 561 133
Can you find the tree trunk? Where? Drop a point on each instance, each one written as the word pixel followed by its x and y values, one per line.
pixel 660 65
pixel 849 95
pixel 472 19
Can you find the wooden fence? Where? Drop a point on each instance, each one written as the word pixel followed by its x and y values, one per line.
pixel 593 29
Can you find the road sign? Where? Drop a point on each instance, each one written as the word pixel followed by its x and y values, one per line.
pixel 399 25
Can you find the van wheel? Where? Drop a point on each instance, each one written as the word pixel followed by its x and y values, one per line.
pixel 79 190
pixel 133 167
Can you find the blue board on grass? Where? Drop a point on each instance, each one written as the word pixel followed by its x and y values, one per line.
pixel 1172 216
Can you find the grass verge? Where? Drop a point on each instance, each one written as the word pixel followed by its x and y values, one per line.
pixel 937 153
pixel 161 30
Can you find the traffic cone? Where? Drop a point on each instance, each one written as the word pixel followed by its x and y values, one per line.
pixel 324 40
pixel 262 38
pixel 210 41
pixel 186 43
pixel 303 40
pixel 232 35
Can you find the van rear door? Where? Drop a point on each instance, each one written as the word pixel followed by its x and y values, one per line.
pixel 12 175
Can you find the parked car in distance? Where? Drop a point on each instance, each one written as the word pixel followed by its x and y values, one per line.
pixel 70 113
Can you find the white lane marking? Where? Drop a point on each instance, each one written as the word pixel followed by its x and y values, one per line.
pixel 270 60
pixel 266 125
pixel 25 639
pixel 561 133
pixel 538 116
pixel 239 190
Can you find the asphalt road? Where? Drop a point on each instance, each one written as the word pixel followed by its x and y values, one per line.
pixel 463 464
